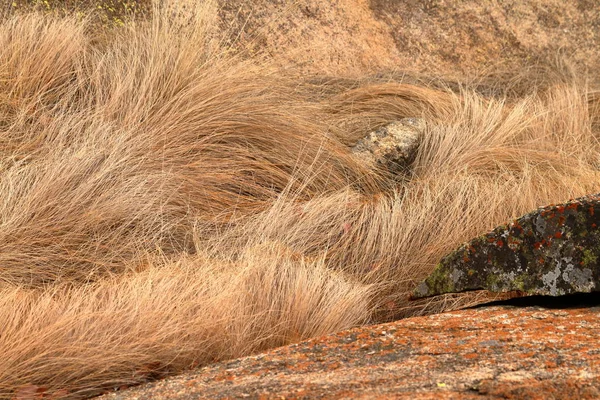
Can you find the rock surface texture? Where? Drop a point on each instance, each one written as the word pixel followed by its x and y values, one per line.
pixel 447 37
pixel 554 250
pixel 392 147
pixel 498 352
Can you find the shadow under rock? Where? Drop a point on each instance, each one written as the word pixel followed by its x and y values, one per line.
pixel 577 300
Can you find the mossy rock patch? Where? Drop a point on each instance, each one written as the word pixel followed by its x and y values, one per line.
pixel 552 251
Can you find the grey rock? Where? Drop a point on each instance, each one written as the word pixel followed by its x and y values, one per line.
pixel 392 147
pixel 553 251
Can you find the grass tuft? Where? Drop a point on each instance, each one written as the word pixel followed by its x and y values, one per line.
pixel 166 204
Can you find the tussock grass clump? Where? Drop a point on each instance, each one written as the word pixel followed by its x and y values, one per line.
pixel 168 318
pixel 165 204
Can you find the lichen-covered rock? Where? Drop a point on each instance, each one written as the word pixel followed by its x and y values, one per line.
pixel 487 353
pixel 552 251
pixel 392 147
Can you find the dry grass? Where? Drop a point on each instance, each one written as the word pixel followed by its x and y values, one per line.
pixel 165 204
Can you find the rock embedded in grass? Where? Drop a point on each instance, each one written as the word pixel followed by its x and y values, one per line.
pixel 392 147
pixel 551 251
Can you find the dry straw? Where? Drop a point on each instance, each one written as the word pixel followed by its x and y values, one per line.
pixel 165 204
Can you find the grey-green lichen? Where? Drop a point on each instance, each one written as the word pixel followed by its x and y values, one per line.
pixel 551 251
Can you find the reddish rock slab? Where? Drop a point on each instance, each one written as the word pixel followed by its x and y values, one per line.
pixel 501 352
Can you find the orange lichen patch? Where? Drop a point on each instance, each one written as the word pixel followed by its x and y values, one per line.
pixel 502 351
pixel 526 355
pixel 425 358
pixel 532 389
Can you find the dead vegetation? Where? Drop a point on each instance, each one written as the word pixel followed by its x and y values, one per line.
pixel 165 204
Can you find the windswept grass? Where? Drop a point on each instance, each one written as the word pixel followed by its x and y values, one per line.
pixel 166 204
